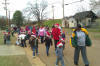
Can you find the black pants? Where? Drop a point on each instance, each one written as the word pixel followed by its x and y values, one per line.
pixel 23 43
pixel 4 41
pixel 42 39
pixel 55 42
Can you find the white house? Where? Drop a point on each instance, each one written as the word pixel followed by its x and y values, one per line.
pixel 69 22
pixel 72 22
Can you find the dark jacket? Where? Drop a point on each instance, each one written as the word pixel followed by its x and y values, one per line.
pixel 34 43
pixel 48 41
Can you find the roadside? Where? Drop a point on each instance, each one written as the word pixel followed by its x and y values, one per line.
pixel 34 61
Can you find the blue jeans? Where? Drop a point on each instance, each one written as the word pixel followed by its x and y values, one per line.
pixel 47 50
pixel 35 50
pixel 60 59
pixel 8 42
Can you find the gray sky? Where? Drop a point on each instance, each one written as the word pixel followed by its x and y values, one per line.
pixel 69 9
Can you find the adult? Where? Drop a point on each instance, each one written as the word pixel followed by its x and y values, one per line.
pixel 56 33
pixel 79 41
pixel 41 33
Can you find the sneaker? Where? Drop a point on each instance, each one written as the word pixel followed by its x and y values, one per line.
pixel 86 65
pixel 76 64
pixel 37 53
pixel 56 65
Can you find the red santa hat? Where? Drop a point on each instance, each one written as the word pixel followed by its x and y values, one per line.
pixel 57 25
pixel 62 39
pixel 59 44
pixel 34 36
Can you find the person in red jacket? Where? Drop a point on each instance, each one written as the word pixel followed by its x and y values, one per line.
pixel 56 33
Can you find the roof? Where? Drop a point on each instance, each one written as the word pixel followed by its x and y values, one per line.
pixel 82 15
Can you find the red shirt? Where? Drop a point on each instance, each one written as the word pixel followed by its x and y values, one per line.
pixel 56 33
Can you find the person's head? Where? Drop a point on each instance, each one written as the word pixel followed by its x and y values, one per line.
pixel 59 45
pixel 78 27
pixel 56 25
pixel 62 40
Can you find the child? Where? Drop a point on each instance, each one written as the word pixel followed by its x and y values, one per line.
pixel 48 42
pixel 63 35
pixel 5 37
pixel 59 53
pixel 34 44
pixel 22 36
pixel 18 42
pixel 8 38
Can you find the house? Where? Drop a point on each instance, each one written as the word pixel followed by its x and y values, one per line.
pixel 72 22
pixel 69 22
pixel 65 22
pixel 84 18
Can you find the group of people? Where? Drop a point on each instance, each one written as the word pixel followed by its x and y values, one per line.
pixel 79 40
pixel 45 34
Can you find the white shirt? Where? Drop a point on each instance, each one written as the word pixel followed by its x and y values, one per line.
pixel 22 36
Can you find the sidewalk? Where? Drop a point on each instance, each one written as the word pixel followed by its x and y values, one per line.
pixel 6 50
pixel 34 61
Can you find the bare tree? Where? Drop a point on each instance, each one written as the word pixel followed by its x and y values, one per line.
pixel 37 10
pixel 81 8
pixel 94 4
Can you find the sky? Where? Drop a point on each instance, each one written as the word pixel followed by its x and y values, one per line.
pixel 70 9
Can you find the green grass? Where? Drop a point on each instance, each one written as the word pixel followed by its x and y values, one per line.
pixel 93 30
pixel 51 22
pixel 14 61
pixel 1 38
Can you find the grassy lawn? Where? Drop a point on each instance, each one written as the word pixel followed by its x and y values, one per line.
pixel 51 22
pixel 14 61
pixel 1 38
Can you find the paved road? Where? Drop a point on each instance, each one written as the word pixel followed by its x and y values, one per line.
pixel 6 50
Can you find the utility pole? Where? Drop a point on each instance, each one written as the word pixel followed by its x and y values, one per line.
pixel 5 3
pixel 9 17
pixel 63 8
pixel 53 12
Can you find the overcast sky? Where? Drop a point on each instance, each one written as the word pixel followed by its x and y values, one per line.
pixel 69 9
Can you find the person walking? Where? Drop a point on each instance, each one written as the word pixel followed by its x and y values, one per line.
pixel 22 36
pixel 79 40
pixel 34 44
pixel 8 38
pixel 41 33
pixel 56 33
pixel 48 42
pixel 59 53
pixel 5 37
